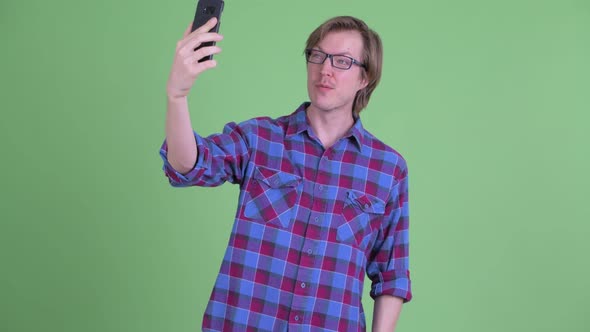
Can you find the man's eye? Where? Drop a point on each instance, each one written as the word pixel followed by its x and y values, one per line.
pixel 316 56
pixel 343 61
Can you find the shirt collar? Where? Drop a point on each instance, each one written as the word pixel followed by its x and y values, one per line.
pixel 298 124
pixel 298 121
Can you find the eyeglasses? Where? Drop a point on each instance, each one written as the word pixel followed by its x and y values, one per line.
pixel 337 61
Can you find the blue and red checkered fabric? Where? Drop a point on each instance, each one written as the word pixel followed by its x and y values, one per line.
pixel 310 223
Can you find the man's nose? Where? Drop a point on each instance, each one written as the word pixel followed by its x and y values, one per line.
pixel 326 68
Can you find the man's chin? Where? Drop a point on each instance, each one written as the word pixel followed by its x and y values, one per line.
pixel 321 106
pixel 322 103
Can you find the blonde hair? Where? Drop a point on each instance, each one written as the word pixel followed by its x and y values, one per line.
pixel 372 56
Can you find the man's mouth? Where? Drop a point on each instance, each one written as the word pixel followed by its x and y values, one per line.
pixel 324 87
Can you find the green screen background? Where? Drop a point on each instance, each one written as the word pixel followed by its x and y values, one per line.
pixel 487 100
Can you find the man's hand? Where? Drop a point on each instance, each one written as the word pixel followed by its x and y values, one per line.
pixel 186 67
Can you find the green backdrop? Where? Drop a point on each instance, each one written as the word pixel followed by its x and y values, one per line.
pixel 487 100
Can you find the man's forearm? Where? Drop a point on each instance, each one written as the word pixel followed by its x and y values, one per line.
pixel 182 149
pixel 386 312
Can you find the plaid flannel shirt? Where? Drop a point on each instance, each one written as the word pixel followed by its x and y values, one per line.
pixel 310 223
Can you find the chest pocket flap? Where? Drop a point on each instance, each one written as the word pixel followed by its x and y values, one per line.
pixel 274 178
pixel 357 213
pixel 367 203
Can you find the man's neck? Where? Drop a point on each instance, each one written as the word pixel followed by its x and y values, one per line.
pixel 329 126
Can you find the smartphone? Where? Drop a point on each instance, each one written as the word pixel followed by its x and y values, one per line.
pixel 206 9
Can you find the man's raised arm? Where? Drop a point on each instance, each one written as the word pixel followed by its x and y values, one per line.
pixel 182 149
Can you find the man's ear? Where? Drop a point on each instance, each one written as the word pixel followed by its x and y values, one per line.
pixel 364 82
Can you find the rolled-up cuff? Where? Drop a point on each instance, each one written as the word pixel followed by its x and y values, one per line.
pixel 392 283
pixel 178 179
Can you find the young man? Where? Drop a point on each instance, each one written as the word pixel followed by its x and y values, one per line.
pixel 322 201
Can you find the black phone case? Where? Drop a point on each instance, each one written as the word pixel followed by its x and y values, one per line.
pixel 206 9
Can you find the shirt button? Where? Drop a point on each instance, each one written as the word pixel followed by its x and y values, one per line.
pixel 309 251
pixel 366 206
pixel 316 219
pixel 296 318
pixel 302 285
pixel 321 188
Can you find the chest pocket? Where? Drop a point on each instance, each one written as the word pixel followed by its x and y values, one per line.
pixel 357 213
pixel 272 196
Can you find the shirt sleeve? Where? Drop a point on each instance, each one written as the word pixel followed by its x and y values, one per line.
pixel 388 264
pixel 220 158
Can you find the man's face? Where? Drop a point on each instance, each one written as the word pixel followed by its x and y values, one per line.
pixel 333 89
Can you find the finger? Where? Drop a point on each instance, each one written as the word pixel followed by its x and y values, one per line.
pixel 209 63
pixel 191 43
pixel 200 67
pixel 188 30
pixel 207 26
pixel 203 52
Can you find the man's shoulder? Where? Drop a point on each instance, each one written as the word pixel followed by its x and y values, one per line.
pixel 265 123
pixel 276 124
pixel 381 150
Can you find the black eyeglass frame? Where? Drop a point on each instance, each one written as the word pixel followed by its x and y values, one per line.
pixel 331 56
